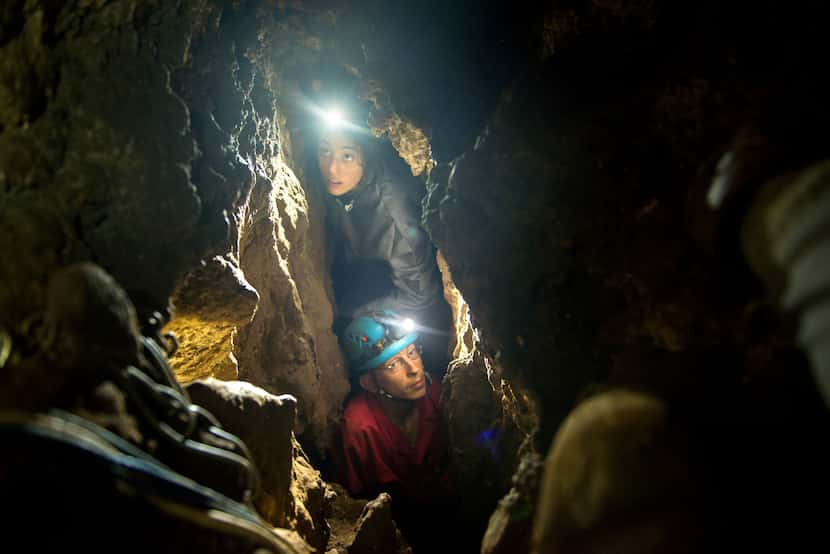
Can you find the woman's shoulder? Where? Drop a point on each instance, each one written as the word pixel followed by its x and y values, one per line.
pixel 399 190
pixel 399 200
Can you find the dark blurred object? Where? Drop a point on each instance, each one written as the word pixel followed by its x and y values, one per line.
pixel 86 352
pixel 771 199
pixel 618 478
pixel 103 494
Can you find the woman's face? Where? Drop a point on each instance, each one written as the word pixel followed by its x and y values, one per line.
pixel 341 163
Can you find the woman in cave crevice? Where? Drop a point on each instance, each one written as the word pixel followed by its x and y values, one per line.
pixel 381 258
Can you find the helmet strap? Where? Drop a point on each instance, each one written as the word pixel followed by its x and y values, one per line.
pixel 385 394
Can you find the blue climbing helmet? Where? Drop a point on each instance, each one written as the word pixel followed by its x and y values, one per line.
pixel 371 340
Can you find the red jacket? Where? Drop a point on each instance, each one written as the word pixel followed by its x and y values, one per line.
pixel 377 456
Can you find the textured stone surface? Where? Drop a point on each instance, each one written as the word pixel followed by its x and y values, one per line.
pixel 132 134
pixel 360 526
pixel 482 438
pixel 110 129
pixel 294 496
pixel 288 346
pixel 511 524
pixel 569 226
pixel 312 501
pixel 566 226
pixel 265 423
pixel 376 532
pixel 210 303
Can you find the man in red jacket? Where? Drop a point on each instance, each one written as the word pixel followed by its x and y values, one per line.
pixel 393 434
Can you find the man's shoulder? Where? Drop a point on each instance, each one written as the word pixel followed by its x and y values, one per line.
pixel 359 415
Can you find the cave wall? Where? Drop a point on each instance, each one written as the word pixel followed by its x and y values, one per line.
pixel 283 342
pixel 97 148
pixel 143 137
pixel 577 229
pixel 573 224
pixel 575 143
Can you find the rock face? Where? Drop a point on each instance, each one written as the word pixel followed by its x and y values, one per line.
pixel 265 423
pixel 570 226
pixel 511 524
pixel 210 304
pixel 289 346
pixel 359 526
pixel 293 494
pixel 575 225
pixel 88 113
pixel 279 340
pixel 134 134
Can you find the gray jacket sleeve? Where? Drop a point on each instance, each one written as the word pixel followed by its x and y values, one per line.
pixel 411 258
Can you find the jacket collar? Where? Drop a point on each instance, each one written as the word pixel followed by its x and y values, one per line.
pixel 350 199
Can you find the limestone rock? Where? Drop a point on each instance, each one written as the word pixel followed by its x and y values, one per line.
pixel 482 438
pixel 210 303
pixel 311 501
pixel 408 139
pixel 361 527
pixel 264 422
pixel 511 524
pixel 343 519
pixel 288 347
pixel 216 291
pixel 376 532
pixel 294 495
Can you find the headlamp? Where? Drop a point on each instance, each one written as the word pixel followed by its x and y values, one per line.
pixel 371 339
pixel 395 329
pixel 333 117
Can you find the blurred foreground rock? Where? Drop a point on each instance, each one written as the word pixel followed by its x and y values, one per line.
pixel 618 479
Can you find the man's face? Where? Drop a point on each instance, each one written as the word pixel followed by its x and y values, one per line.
pixel 341 163
pixel 402 376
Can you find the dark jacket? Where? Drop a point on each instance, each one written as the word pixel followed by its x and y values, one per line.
pixel 379 221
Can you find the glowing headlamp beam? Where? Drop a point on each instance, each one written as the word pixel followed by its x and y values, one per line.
pixel 333 117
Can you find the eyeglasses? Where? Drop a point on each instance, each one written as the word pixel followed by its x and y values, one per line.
pixel 412 353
